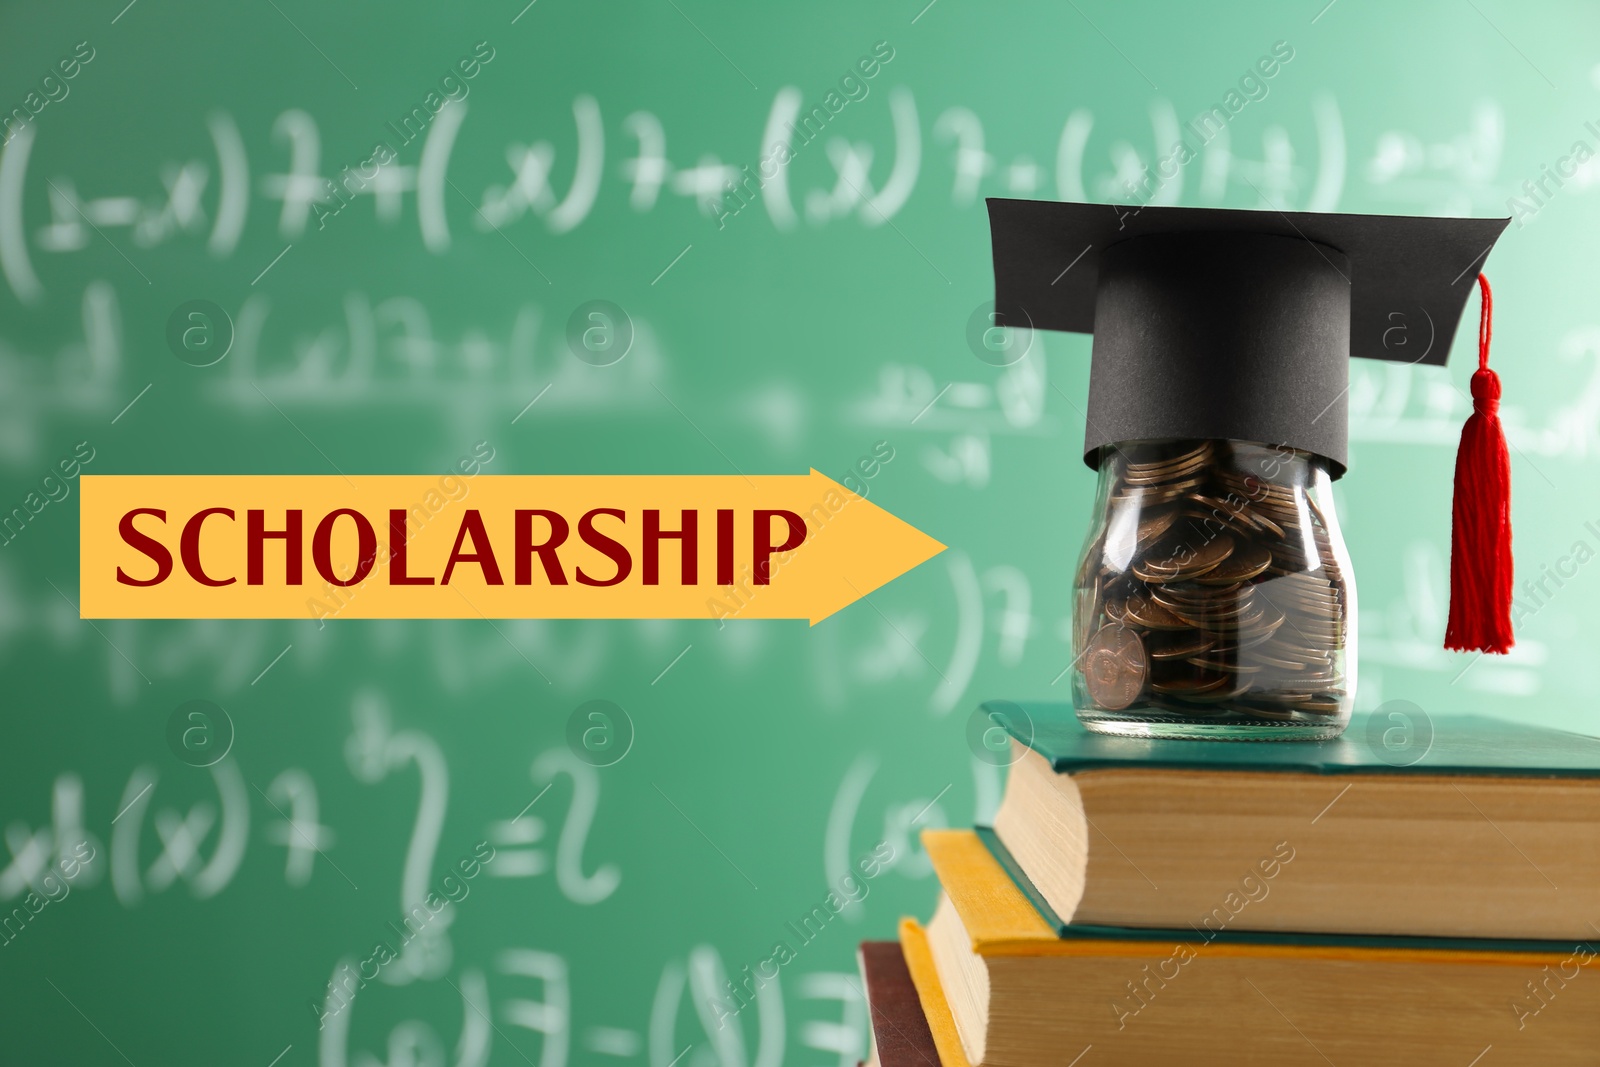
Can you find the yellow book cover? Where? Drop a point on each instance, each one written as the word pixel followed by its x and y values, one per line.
pixel 1001 986
pixel 919 961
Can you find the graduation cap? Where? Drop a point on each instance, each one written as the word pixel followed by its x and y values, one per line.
pixel 1239 325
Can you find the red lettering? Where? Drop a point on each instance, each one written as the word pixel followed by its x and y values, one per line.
pixel 763 547
pixel 611 549
pixel 322 547
pixel 724 546
pixel 189 547
pixel 146 544
pixel 482 553
pixel 398 536
pixel 525 548
pixel 256 534
pixel 685 536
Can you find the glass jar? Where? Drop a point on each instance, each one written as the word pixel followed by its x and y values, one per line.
pixel 1214 597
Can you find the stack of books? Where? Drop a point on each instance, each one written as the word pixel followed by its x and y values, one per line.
pixel 1353 902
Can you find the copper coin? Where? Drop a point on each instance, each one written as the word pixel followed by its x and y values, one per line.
pixel 1246 622
pixel 1115 667
pixel 1144 612
pixel 1327 705
pixel 1187 560
pixel 1182 707
pixel 1092 556
pixel 1282 663
pixel 1160 494
pixel 1143 475
pixel 1180 645
pixel 1230 510
pixel 1262 631
pixel 1246 561
pixel 1273 697
pixel 1312 683
pixel 1192 687
pixel 1160 463
pixel 1227 616
pixel 1216 663
pixel 1267 712
pixel 1155 523
pixel 1199 599
pixel 1222 693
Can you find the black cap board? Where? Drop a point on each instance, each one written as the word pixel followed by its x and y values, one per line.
pixel 1233 324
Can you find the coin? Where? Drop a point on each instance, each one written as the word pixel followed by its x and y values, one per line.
pixel 1270 711
pixel 1247 622
pixel 1183 707
pixel 1145 476
pixel 1259 631
pixel 1191 686
pixel 1314 683
pixel 1115 667
pixel 1165 493
pixel 1266 659
pixel 1232 691
pixel 1233 511
pixel 1139 610
pixel 1186 560
pixel 1153 524
pixel 1164 459
pixel 1245 562
pixel 1324 704
pixel 1220 663
pixel 1182 597
pixel 1180 645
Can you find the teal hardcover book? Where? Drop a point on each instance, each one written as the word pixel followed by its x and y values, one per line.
pixel 1195 931
pixel 1428 830
pixel 1376 743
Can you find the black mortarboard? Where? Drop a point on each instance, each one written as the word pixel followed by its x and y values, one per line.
pixel 1223 323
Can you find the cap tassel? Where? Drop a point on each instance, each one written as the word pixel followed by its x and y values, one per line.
pixel 1480 536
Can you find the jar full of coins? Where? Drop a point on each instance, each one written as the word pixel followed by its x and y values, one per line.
pixel 1214 595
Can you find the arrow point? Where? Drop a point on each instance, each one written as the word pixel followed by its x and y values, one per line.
pixel 872 548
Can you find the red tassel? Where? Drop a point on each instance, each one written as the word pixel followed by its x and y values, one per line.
pixel 1480 536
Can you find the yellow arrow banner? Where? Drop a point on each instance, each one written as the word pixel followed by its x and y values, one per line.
pixel 494 546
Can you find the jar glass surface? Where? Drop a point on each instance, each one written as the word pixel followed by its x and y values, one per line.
pixel 1214 595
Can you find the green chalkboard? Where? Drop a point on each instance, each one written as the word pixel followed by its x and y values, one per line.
pixel 505 174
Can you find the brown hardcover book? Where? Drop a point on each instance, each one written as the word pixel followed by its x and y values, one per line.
pixel 900 1034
